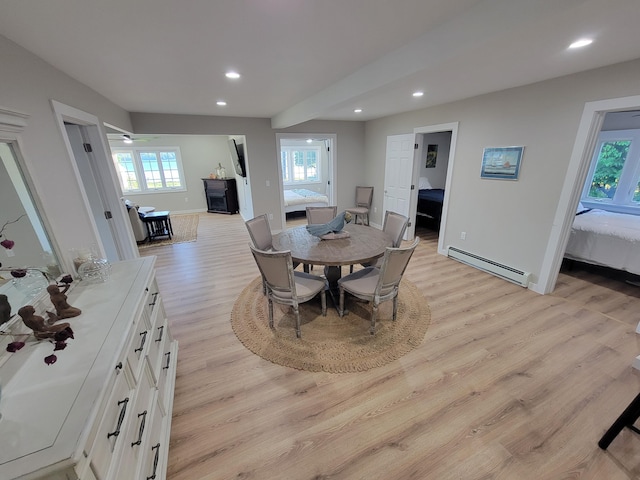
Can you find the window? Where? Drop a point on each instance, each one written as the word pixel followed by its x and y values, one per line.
pixel 300 164
pixel 147 170
pixel 613 182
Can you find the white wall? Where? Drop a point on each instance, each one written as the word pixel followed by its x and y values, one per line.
pixel 28 84
pixel 508 221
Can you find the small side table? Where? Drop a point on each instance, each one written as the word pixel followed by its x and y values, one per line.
pixel 158 224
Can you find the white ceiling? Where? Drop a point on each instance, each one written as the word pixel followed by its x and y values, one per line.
pixel 316 59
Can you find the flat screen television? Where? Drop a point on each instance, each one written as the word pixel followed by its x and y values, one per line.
pixel 237 157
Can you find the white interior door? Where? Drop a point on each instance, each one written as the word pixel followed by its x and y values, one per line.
pixel 398 176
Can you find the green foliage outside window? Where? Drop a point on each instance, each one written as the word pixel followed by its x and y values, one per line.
pixel 608 170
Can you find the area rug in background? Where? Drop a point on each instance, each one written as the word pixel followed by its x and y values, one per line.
pixel 185 229
pixel 330 344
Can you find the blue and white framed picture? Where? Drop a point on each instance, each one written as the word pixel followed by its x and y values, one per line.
pixel 501 162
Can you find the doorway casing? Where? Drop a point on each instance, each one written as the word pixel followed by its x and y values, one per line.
pixel 583 147
pixel 331 140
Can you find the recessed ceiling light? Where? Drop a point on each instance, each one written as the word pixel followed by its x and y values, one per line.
pixel 357 110
pixel 232 75
pixel 583 42
pixel 309 140
pixel 418 93
pixel 221 103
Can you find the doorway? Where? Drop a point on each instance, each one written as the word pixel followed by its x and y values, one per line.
pixel 584 145
pixel 411 159
pixel 84 138
pixel 324 145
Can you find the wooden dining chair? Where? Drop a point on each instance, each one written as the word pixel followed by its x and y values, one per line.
pixel 321 215
pixel 378 285
pixel 364 197
pixel 286 286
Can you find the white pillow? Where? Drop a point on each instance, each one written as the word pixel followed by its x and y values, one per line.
pixel 580 207
pixel 423 184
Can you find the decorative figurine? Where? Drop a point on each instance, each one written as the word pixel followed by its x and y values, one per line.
pixel 334 226
pixel 5 309
pixel 41 329
pixel 59 301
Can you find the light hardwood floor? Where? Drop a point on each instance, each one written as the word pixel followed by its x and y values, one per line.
pixel 508 384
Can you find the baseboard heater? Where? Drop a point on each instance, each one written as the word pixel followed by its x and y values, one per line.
pixel 503 271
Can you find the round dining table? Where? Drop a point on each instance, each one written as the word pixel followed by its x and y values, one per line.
pixel 363 244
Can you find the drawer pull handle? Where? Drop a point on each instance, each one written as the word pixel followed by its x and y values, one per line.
pixel 123 411
pixel 161 328
pixel 154 299
pixel 141 431
pixel 142 342
pixel 155 461
pixel 119 366
pixel 168 355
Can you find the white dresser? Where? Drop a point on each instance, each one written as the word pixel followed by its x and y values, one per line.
pixel 103 410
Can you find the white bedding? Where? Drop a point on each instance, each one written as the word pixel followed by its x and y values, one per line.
pixel 299 199
pixel 605 238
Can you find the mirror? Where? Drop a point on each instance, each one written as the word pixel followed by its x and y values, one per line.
pixel 21 224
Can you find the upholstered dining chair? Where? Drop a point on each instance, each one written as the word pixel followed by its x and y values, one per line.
pixel 321 215
pixel 286 286
pixel 378 285
pixel 260 233
pixel 364 197
pixel 395 225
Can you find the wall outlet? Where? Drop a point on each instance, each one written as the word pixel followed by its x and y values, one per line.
pixel 271 216
pixel 463 235
pixel 268 183
pixel 186 199
pixel 375 209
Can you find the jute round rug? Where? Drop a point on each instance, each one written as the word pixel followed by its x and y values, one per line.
pixel 330 344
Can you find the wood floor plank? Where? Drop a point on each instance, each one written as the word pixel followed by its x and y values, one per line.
pixel 507 383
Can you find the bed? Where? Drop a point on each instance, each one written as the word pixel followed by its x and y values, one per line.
pixel 298 199
pixel 607 239
pixel 430 205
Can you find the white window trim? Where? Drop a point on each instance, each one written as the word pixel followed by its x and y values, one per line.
pixel 140 172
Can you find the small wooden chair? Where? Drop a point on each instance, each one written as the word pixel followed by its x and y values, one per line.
pixel 364 197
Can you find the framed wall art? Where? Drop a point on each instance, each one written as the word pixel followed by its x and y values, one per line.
pixel 501 162
pixel 432 155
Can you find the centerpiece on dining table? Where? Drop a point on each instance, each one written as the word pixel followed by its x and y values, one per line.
pixel 333 229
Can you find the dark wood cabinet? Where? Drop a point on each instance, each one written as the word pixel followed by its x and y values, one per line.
pixel 221 194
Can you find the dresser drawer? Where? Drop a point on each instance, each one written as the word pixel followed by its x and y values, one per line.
pixel 121 373
pixel 109 435
pixel 167 373
pixel 153 298
pixel 154 463
pixel 136 435
pixel 138 347
pixel 159 334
